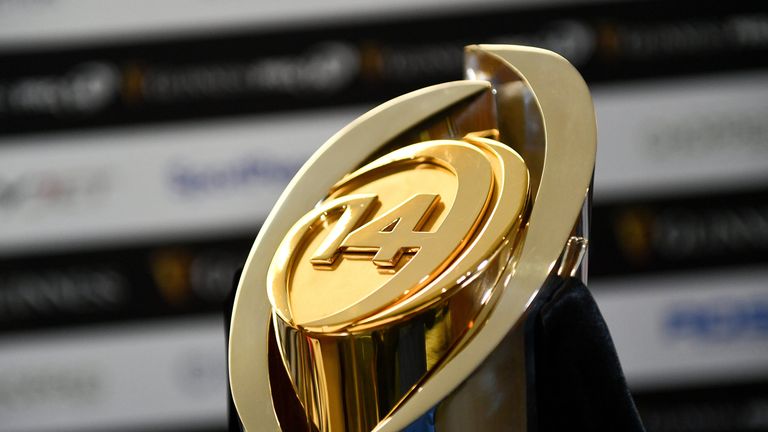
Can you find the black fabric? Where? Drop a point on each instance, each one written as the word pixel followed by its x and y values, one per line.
pixel 579 384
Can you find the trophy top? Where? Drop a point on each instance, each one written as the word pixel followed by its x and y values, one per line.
pixel 329 285
pixel 398 234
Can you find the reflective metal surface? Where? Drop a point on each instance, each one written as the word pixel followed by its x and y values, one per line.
pixel 393 278
pixel 374 286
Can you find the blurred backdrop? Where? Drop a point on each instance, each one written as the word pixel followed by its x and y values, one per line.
pixel 142 144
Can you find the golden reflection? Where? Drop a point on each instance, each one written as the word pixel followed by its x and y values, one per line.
pixel 360 342
pixel 386 234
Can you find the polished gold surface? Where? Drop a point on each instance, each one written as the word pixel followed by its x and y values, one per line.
pixel 559 105
pixel 385 233
pixel 340 155
pixel 424 201
pixel 376 318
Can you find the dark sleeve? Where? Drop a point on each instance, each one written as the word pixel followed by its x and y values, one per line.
pixel 579 384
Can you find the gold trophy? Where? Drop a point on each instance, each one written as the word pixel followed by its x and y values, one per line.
pixel 389 287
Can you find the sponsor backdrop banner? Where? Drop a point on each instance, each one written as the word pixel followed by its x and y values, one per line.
pixel 330 64
pixel 138 160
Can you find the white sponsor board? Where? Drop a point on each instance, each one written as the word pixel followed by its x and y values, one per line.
pixel 119 377
pixel 32 24
pixel 680 135
pixel 148 182
pixel 689 329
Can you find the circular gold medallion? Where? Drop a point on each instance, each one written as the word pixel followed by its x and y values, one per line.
pixel 389 230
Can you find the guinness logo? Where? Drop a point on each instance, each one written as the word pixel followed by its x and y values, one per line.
pixel 387 232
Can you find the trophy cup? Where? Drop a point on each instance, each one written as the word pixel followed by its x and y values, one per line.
pixel 390 286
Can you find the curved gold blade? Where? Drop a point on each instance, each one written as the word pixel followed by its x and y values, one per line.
pixel 569 158
pixel 340 155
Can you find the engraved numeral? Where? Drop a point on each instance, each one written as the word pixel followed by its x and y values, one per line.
pixel 395 232
pixel 389 236
pixel 355 208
